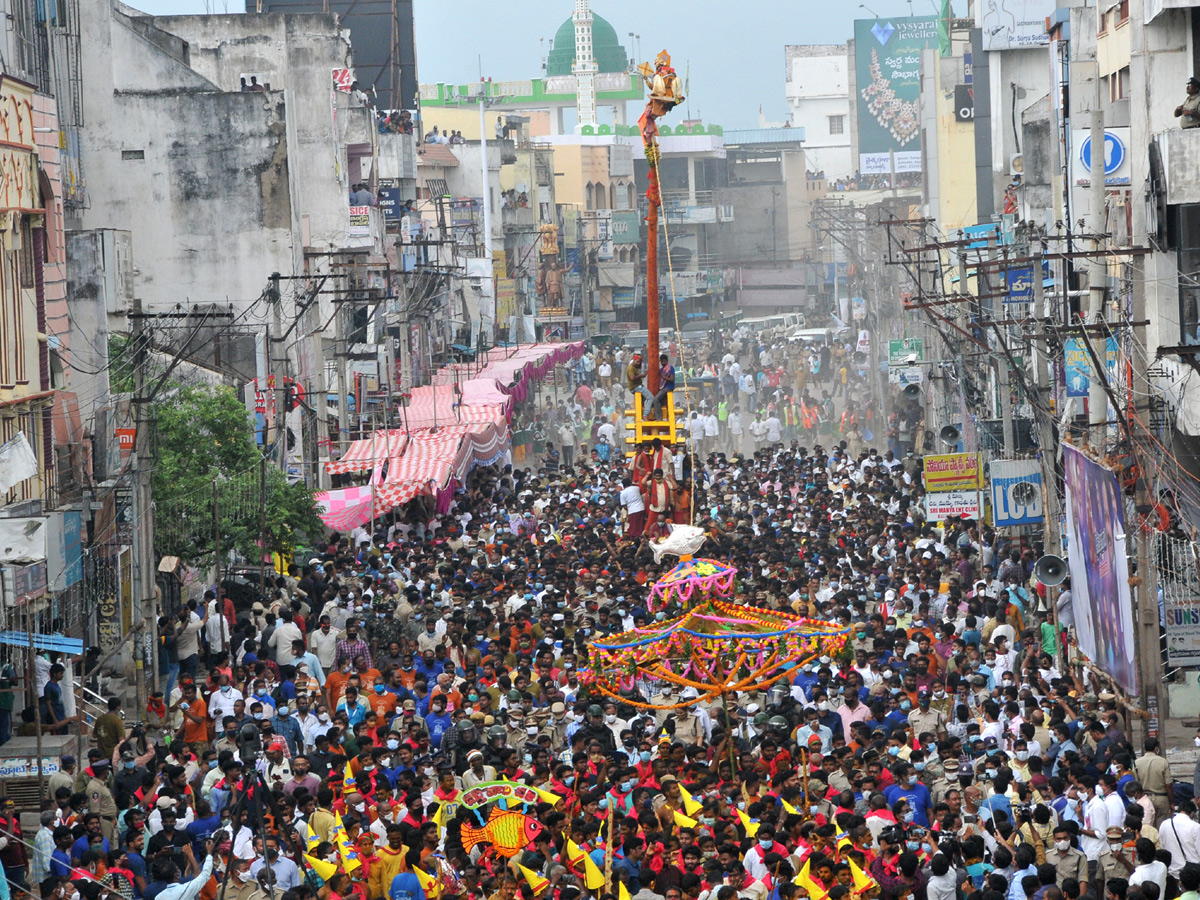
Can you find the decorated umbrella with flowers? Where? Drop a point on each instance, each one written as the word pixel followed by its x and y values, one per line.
pixel 717 647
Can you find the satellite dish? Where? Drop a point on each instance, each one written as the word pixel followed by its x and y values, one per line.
pixel 1051 570
pixel 949 435
pixel 1023 492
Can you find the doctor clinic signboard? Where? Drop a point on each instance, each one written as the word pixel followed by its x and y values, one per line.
pixel 887 61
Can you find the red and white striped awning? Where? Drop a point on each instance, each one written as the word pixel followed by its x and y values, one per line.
pixel 369 453
pixel 439 406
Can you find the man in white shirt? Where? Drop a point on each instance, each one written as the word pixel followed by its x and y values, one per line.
pixel 774 429
pixel 609 432
pixel 1093 835
pixel 758 430
pixel 221 701
pixel 1180 835
pixel 631 501
pixel 323 643
pixel 285 632
pixel 216 631
pixel 735 430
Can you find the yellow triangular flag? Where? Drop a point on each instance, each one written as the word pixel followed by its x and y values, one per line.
pixel 862 881
pixel 345 849
pixel 347 778
pixel 622 891
pixel 691 806
pixel 788 808
pixel 684 821
pixel 429 884
pixel 749 824
pixel 325 870
pixel 536 881
pixel 804 880
pixel 439 817
pixel 546 795
pixel 593 878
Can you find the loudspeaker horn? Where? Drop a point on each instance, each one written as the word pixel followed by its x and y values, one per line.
pixel 1051 570
pixel 912 391
pixel 949 435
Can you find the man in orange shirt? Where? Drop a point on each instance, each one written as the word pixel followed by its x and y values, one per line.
pixel 445 688
pixel 195 719
pixel 382 701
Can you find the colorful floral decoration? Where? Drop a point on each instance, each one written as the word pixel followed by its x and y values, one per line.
pixel 692 577
pixel 716 647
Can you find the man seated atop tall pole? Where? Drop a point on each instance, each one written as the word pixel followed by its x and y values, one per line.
pixel 666 384
pixel 634 380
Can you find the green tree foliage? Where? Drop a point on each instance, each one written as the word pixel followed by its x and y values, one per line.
pixel 204 433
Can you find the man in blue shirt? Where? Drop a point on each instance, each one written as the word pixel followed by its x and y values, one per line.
pixel 628 868
pixel 60 859
pixel 406 885
pixel 908 787
pixel 202 828
pixel 91 832
pixel 438 721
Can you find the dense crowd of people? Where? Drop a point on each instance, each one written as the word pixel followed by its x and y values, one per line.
pixel 319 742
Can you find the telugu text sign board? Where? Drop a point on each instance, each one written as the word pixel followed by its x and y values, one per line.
pixel 1016 492
pixel 906 352
pixel 888 66
pixel 953 472
pixel 943 505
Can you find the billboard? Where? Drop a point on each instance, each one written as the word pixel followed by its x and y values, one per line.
pixel 905 352
pixel 1016 492
pixel 1117 164
pixel 953 472
pixel 626 227
pixel 1179 580
pixel 964 504
pixel 1078 365
pixel 887 61
pixel 1013 24
pixel 1099 566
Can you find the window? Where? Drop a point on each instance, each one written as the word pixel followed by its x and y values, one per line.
pixel 27 258
pixel 837 124
pixel 1123 12
pixel 1187 227
pixel 1118 84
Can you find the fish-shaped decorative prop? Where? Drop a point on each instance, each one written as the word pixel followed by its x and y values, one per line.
pixel 508 831
pixel 683 541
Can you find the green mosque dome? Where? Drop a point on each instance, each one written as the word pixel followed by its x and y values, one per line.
pixel 606 48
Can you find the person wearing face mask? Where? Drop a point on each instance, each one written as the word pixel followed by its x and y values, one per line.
pixel 302 777
pixel 909 788
pixel 1067 859
pixel 624 780
pixel 755 858
pixel 615 724
pixel 242 885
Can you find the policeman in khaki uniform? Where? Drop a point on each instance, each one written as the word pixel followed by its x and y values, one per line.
pixel 924 719
pixel 1066 858
pixel 101 800
pixel 1155 776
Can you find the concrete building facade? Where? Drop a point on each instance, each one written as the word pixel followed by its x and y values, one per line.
pixel 818 96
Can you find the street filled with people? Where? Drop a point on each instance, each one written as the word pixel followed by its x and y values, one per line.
pixel 326 739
